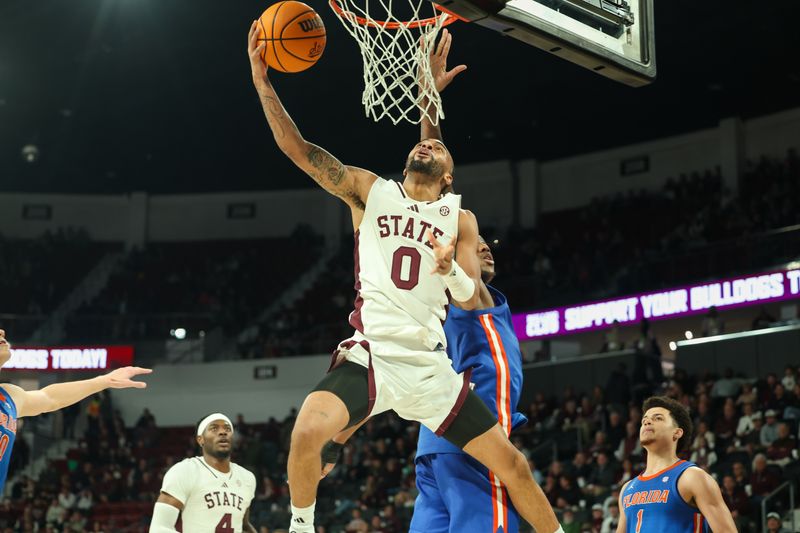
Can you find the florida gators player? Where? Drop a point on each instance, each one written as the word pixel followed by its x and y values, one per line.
pixel 671 495
pixel 16 402
pixel 457 493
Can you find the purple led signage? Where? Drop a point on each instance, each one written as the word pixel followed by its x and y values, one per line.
pixel 727 293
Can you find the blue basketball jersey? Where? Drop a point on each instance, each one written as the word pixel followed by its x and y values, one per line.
pixel 8 432
pixel 653 504
pixel 483 341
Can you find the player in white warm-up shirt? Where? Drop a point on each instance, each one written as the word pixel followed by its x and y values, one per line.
pixel 209 492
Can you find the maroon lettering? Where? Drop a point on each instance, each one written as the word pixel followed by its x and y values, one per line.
pixel 425 227
pixel 216 495
pixel 225 500
pixel 209 501
pixel 396 219
pixel 383 225
pixel 408 232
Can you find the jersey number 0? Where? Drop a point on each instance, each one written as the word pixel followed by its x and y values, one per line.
pixel 402 256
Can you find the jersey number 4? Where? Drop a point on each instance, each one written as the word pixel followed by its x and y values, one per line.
pixel 225 524
pixel 406 279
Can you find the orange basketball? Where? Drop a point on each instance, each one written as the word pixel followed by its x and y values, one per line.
pixel 295 36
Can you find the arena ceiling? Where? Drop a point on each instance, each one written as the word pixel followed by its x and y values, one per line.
pixel 155 95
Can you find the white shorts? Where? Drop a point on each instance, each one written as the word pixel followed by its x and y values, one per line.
pixel 418 385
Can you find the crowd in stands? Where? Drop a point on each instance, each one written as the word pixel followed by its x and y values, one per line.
pixel 37 274
pixel 197 286
pixel 582 447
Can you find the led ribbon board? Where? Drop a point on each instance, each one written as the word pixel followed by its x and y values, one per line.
pixel 728 293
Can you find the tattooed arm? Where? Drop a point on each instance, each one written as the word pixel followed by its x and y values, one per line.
pixel 351 184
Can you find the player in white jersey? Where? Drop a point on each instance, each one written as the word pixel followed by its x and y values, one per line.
pixel 209 492
pixel 408 237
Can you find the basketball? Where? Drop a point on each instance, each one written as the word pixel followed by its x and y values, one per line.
pixel 294 36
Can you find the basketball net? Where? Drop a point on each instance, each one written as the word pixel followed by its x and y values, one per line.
pixel 398 83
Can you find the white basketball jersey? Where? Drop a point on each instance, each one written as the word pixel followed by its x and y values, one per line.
pixel 212 500
pixel 399 299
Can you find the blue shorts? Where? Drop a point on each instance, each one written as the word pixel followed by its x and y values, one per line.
pixel 457 494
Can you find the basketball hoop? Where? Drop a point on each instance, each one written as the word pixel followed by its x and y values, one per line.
pixel 398 83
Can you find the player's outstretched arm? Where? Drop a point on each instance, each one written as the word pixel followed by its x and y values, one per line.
pixel 441 78
pixel 695 484
pixel 351 184
pixel 60 395
pixel 463 278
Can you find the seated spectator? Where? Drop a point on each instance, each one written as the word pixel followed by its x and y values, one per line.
pixel 789 379
pixel 615 431
pixel 774 524
pixel 737 501
pixel 703 432
pixel 357 524
pixel 745 424
pixel 704 456
pixel 739 474
pixel 569 523
pixel 762 480
pixel 55 514
pixel 596 520
pixel 568 494
pixel 725 427
pixel 602 477
pixel 67 499
pixel 580 468
pixel 611 521
pixel 630 446
pixel 748 395
pixel 781 449
pixel 770 430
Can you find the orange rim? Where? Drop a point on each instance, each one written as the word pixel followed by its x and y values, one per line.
pixel 352 17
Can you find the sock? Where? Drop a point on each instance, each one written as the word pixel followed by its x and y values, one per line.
pixel 303 519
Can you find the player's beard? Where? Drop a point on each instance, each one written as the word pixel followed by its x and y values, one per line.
pixel 430 168
pixel 219 454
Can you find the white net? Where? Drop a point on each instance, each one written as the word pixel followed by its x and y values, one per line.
pixel 398 84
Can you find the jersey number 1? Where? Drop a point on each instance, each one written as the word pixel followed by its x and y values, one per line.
pixel 639 520
pixel 225 525
pixel 398 259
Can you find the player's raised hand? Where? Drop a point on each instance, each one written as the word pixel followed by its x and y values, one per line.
pixel 442 255
pixel 121 378
pixel 441 76
pixel 255 50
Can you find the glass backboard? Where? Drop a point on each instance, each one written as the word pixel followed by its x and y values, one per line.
pixel 614 38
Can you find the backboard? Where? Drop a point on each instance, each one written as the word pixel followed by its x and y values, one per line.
pixel 614 38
